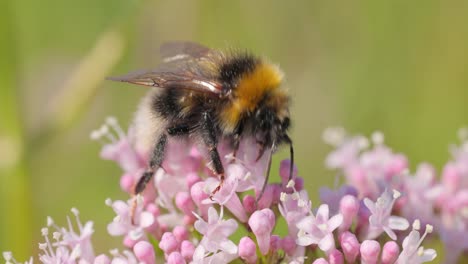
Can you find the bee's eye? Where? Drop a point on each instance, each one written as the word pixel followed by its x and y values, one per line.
pixel 286 123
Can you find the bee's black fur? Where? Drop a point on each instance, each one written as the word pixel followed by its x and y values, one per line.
pixel 166 105
pixel 233 69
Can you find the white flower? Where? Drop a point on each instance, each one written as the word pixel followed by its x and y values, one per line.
pixel 319 229
pixel 412 252
pixel 215 246
pixel 381 219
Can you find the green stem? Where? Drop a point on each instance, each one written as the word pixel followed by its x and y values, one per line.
pixel 15 199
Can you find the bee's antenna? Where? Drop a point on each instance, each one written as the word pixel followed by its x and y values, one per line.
pixel 291 157
pixel 267 176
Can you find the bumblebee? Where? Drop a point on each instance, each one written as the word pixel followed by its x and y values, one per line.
pixel 209 95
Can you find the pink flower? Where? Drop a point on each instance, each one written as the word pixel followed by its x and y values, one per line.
pixel 350 246
pixel 412 252
pixel 144 252
pixel 262 223
pixel 187 249
pixel 370 250
pixel 227 196
pixel 349 207
pixel 380 219
pixel 293 208
pixel 124 225
pixel 119 148
pixel 126 257
pixel 335 257
pixel 215 245
pixel 69 246
pixel 175 258
pixel 390 252
pixel 420 194
pixel 169 243
pixel 319 229
pixel 333 197
pixel 247 250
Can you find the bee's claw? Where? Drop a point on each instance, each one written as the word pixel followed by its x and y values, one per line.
pixel 133 209
pixel 218 188
pixel 261 150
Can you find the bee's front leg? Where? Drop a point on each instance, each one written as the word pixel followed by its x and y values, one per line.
pixel 209 136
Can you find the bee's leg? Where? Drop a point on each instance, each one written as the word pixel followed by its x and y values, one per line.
pixel 235 144
pixel 261 150
pixel 237 138
pixel 208 134
pixel 157 156
pixel 178 130
pixel 156 160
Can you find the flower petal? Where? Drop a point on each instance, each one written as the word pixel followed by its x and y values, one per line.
pixel 146 219
pixel 322 213
pixel 327 243
pixel 335 222
pixel 398 223
pixel 228 246
pixel 306 240
pixel 428 255
pixel 370 205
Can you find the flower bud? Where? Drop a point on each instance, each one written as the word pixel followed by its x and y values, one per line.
pixel 247 250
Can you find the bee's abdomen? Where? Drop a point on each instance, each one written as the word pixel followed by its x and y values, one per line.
pixel 166 104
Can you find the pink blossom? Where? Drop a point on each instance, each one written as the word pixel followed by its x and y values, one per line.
pixel 349 207
pixel 169 243
pixel 318 229
pixel 215 240
pixel 390 252
pixel 68 245
pixel 412 253
pixel 381 219
pixel 262 223
pixel 119 149
pixel 420 193
pixel 333 197
pixel 293 208
pixel 247 250
pixel 320 261
pixel 370 250
pixel 124 225
pixel 175 258
pixel 144 252
pixel 187 249
pixel 335 257
pixel 126 257
pixel 350 246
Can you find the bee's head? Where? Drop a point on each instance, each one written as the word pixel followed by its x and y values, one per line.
pixel 271 125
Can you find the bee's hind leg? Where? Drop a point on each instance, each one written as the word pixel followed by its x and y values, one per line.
pixel 209 137
pixel 156 160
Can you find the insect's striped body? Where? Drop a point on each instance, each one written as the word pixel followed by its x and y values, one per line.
pixel 209 95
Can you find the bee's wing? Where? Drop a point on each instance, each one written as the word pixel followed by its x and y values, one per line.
pixel 172 80
pixel 186 65
pixel 182 50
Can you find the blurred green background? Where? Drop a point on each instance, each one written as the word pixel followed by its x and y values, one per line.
pixel 396 66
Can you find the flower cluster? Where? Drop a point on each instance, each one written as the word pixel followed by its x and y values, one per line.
pixel 439 201
pixel 177 220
